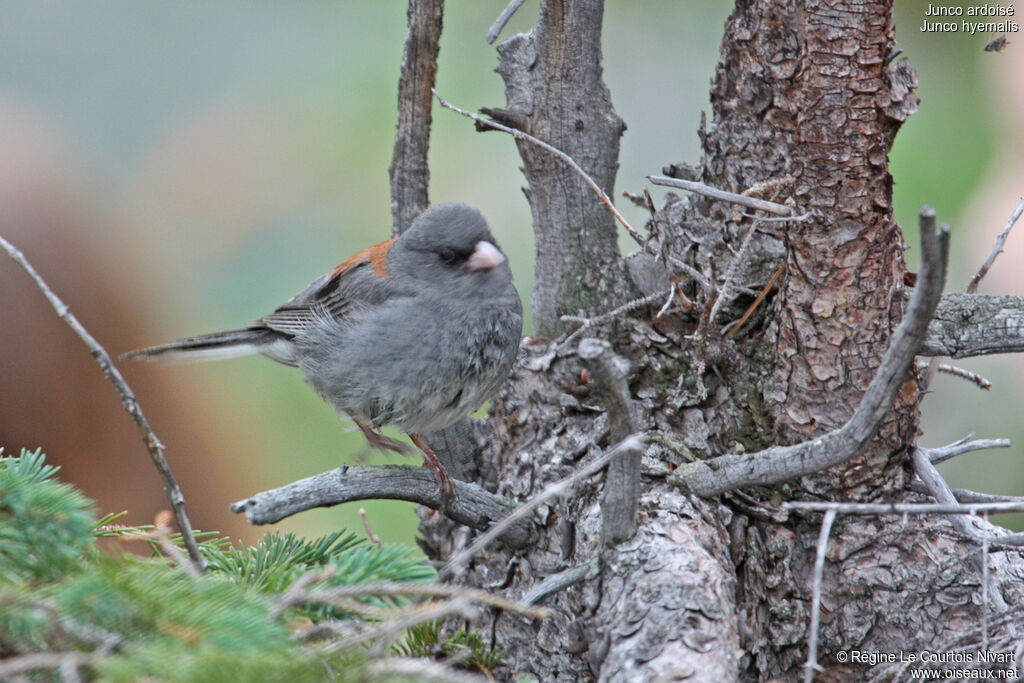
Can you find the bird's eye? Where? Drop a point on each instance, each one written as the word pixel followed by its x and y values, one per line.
pixel 447 255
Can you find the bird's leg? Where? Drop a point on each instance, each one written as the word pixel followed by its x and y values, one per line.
pixel 430 461
pixel 381 442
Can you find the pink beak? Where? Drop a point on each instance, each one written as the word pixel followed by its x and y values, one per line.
pixel 484 256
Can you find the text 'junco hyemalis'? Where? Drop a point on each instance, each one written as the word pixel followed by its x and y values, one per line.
pixel 416 332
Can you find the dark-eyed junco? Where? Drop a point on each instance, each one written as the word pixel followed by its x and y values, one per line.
pixel 416 332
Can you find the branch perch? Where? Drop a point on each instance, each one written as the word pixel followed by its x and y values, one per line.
pixel 471 506
pixel 772 465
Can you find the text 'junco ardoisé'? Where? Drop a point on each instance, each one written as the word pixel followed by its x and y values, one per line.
pixel 416 332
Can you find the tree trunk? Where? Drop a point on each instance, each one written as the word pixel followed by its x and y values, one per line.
pixel 806 102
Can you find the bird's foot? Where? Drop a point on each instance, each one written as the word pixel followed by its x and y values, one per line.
pixel 381 442
pixel 444 480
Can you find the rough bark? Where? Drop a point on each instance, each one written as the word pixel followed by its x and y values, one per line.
pixel 409 172
pixel 805 103
pixel 555 92
pixel 805 90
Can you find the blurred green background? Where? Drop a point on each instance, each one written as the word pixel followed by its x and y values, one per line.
pixel 207 160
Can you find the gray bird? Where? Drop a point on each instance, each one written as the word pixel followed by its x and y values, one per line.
pixel 416 332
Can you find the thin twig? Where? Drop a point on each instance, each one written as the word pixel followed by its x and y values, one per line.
pixel 128 400
pixel 558 488
pixel 723 195
pixel 374 538
pixel 520 135
pixel 427 590
pixel 562 580
pixel 984 592
pixel 967 495
pixel 956 371
pixel 421 669
pixel 904 508
pixel 819 570
pixel 34 661
pixel 997 248
pixel 725 291
pixel 499 24
pixel 944 453
pixel 587 323
pixel 757 302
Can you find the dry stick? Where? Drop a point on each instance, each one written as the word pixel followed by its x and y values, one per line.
pixel 520 135
pixel 725 291
pixel 714 193
pixel 904 508
pixel 779 463
pixel 757 302
pixel 969 496
pixel 997 248
pixel 499 23
pixel 128 400
pixel 34 661
pixel 944 453
pixel 819 570
pixel 587 323
pixel 620 500
pixel 427 590
pixel 420 669
pixel 939 490
pixel 472 506
pixel 558 488
pixel 937 487
pixel 962 373
pixel 409 171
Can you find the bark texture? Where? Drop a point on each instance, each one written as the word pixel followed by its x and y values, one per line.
pixel 409 172
pixel 555 92
pixel 806 102
pixel 805 90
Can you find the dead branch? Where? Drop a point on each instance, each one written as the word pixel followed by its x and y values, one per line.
pixel 944 453
pixel 621 497
pixel 997 248
pixel 968 325
pixel 409 171
pixel 472 505
pixel 499 24
pixel 723 195
pixel 904 508
pixel 819 571
pixel 128 400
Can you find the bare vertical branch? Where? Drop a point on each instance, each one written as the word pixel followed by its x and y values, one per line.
pixel 410 175
pixel 555 92
pixel 997 248
pixel 128 400
pixel 621 497
pixel 819 571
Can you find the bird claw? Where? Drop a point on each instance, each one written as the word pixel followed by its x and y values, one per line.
pixel 445 484
pixel 381 442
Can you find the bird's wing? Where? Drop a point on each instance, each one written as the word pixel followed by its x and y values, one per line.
pixel 362 279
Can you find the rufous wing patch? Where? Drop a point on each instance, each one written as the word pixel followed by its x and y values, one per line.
pixel 376 256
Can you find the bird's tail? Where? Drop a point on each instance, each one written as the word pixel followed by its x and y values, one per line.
pixel 214 346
